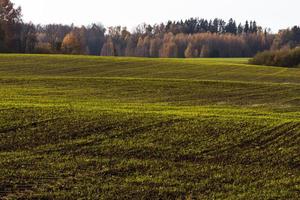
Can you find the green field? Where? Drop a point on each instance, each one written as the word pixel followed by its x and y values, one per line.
pixel 78 127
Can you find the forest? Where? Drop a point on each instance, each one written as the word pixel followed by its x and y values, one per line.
pixel 190 38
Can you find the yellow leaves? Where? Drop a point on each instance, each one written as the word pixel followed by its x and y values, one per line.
pixel 71 44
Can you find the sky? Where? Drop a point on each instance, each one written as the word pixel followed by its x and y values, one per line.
pixel 274 14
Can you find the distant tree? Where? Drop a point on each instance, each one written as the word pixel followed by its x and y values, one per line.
pixel 215 26
pixel 140 48
pixel 118 35
pixel 191 51
pixel 125 33
pixel 74 43
pixel 155 45
pixel 168 26
pixel 169 48
pixel 222 25
pixel 71 44
pixel 28 38
pixel 149 30
pixel 159 29
pixel 181 41
pixel 10 20
pixel 246 27
pixel 143 45
pixel 251 27
pixel 95 38
pixel 108 48
pixel 131 43
pixel 231 27
pixel 254 27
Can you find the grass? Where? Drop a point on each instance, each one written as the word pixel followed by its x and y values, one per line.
pixel 132 128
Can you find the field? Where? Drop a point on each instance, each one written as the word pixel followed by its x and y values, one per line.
pixel 79 127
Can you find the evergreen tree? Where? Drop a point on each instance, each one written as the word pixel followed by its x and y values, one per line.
pixel 222 25
pixel 214 26
pixel 95 38
pixel 254 27
pixel 251 27
pixel 231 27
pixel 246 27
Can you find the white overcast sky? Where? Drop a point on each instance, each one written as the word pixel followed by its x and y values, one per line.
pixel 274 14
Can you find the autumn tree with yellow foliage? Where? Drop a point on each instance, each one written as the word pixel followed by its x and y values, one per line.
pixel 74 43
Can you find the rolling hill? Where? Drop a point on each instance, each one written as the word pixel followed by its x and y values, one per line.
pixel 134 128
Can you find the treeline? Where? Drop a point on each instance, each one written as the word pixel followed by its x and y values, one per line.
pixel 168 44
pixel 184 39
pixel 191 38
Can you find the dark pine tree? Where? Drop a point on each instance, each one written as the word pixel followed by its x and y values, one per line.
pixel 231 27
pixel 254 27
pixel 251 27
pixel 246 27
